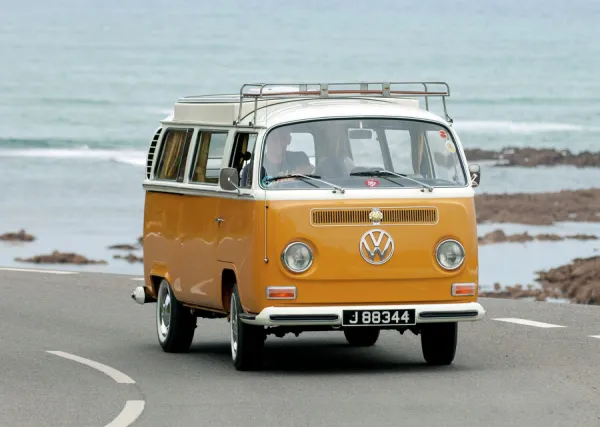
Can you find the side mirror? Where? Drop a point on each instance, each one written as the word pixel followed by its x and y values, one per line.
pixel 229 179
pixel 475 172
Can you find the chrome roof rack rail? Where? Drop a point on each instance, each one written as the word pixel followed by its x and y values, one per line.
pixel 324 90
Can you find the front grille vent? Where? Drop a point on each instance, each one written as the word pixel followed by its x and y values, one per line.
pixel 360 216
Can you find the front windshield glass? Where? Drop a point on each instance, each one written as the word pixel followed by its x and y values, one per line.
pixel 359 153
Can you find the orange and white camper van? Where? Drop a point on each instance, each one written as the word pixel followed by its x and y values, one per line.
pixel 301 207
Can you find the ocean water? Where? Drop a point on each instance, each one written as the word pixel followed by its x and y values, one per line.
pixel 83 86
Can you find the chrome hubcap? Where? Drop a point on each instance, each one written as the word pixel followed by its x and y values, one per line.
pixel 234 328
pixel 163 308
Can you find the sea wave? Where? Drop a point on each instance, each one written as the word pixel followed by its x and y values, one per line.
pixel 130 157
pixel 519 127
pixel 52 143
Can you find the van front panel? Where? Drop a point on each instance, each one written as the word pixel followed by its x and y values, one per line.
pixel 341 272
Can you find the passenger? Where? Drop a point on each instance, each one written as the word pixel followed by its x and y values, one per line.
pixel 338 163
pixel 301 161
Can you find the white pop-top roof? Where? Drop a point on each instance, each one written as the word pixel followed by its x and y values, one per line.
pixel 265 106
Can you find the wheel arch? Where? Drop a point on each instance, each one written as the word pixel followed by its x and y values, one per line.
pixel 228 281
pixel 158 273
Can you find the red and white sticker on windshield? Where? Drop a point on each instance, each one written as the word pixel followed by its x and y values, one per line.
pixel 372 182
pixel 443 134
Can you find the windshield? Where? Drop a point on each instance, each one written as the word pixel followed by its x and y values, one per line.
pixel 359 153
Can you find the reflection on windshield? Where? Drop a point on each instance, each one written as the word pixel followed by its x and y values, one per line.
pixel 423 153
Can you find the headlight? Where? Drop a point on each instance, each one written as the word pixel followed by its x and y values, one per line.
pixel 297 257
pixel 450 254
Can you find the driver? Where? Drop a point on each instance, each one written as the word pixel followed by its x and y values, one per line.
pixel 277 160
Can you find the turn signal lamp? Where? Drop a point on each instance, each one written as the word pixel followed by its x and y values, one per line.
pixel 463 289
pixel 281 292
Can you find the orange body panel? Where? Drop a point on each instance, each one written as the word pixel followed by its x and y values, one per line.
pixel 339 274
pixel 182 233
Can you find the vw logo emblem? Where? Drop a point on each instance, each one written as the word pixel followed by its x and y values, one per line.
pixel 376 244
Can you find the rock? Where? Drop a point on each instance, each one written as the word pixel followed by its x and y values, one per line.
pixel 583 237
pixel 477 154
pixel 57 257
pixel 495 236
pixel 130 257
pixel 498 236
pixel 539 208
pixel 19 236
pixel 124 247
pixel 530 157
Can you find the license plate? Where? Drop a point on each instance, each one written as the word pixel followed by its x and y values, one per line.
pixel 378 317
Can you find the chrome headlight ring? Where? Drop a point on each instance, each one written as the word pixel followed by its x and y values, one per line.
pixel 450 254
pixel 297 257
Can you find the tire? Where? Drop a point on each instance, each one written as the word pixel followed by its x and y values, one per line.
pixel 175 324
pixel 438 342
pixel 363 337
pixel 247 341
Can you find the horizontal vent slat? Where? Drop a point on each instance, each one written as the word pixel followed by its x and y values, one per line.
pixel 360 216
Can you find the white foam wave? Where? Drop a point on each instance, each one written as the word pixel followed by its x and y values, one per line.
pixel 131 157
pixel 517 127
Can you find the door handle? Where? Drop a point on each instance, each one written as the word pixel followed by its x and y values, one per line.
pixel 219 220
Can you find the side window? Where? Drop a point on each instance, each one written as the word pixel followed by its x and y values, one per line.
pixel 208 156
pixel 241 157
pixel 173 154
pixel 399 144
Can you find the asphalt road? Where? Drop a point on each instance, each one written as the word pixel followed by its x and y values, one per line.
pixel 504 374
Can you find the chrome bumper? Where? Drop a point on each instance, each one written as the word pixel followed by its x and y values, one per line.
pixel 332 315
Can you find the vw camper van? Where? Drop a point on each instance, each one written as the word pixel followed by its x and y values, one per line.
pixel 301 207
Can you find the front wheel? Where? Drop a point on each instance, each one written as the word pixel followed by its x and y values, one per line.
pixel 247 341
pixel 364 337
pixel 438 342
pixel 175 324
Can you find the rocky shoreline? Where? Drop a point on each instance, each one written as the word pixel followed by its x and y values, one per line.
pixel 499 236
pixel 19 236
pixel 578 282
pixel 531 157
pixel 539 208
pixel 57 257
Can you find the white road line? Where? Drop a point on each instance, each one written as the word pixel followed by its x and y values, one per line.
pixel 132 410
pixel 137 278
pixel 529 322
pixel 118 376
pixel 30 270
pixel 595 336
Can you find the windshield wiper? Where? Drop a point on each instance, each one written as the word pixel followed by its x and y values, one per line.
pixel 299 175
pixel 383 172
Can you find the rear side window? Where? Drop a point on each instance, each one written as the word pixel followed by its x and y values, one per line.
pixel 207 159
pixel 173 153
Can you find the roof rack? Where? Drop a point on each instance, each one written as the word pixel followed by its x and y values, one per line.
pixel 323 90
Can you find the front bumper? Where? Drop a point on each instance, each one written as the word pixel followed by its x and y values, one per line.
pixel 332 315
